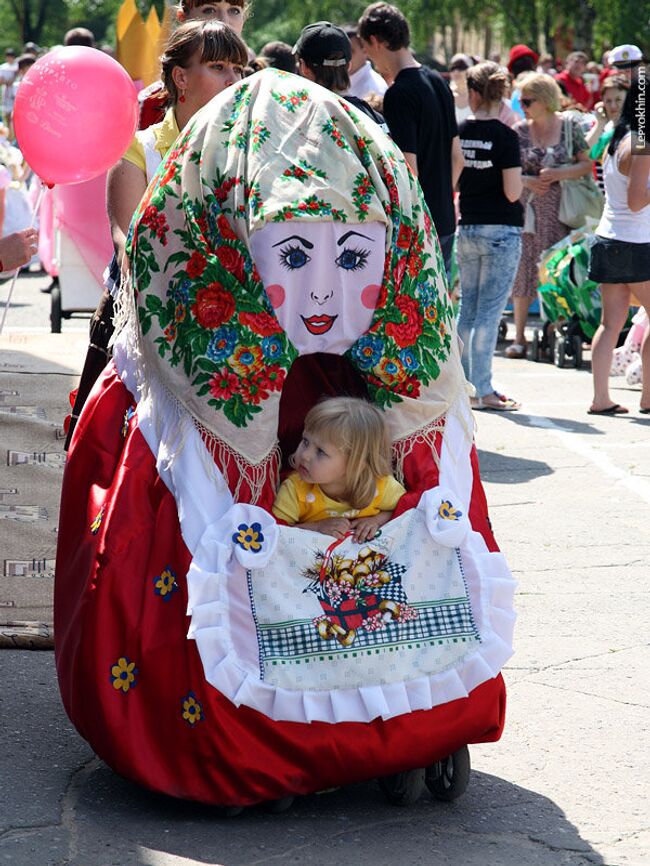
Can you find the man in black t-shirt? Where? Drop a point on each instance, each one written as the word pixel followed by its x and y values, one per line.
pixel 419 110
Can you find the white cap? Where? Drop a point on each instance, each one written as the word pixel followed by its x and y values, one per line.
pixel 625 56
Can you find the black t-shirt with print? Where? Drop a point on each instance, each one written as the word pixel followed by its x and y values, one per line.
pixel 419 111
pixel 489 146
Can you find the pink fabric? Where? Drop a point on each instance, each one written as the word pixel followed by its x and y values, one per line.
pixel 81 212
pixel 46 234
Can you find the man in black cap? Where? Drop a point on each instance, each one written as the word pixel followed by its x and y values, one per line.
pixel 324 53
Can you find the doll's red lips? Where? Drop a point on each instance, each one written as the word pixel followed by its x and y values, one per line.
pixel 319 324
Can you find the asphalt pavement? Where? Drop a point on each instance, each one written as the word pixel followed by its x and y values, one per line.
pixel 568 783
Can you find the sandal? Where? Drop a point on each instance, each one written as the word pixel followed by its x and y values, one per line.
pixel 516 350
pixel 494 402
pixel 615 409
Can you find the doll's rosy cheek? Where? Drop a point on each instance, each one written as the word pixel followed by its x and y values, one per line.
pixel 369 296
pixel 276 295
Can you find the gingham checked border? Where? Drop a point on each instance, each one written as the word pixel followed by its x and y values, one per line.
pixel 299 642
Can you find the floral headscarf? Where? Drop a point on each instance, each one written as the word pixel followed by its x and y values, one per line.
pixel 278 148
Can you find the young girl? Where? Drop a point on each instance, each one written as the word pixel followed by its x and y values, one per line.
pixel 343 478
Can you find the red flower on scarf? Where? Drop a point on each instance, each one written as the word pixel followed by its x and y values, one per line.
pixel 404 237
pixel 213 306
pixel 414 266
pixel 270 378
pixel 398 272
pixel 406 333
pixel 223 385
pixel 232 261
pixel 260 323
pixel 225 229
pixel 196 265
pixel 409 388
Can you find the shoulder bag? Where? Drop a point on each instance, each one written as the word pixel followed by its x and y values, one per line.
pixel 580 197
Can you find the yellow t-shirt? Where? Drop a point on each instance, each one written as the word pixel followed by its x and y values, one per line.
pixel 300 502
pixel 165 134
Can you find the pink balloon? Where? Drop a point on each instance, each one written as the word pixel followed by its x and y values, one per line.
pixel 75 114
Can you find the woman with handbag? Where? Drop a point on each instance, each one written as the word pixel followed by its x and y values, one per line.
pixel 620 256
pixel 553 149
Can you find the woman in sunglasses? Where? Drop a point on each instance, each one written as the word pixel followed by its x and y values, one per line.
pixel 550 152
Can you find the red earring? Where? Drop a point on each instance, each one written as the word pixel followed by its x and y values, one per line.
pixel 181 98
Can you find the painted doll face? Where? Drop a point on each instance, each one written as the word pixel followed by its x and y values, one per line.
pixel 322 278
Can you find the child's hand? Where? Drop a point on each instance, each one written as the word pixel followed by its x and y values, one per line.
pixel 336 526
pixel 365 528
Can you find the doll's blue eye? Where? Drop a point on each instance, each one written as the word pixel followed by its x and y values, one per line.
pixel 352 260
pixel 293 258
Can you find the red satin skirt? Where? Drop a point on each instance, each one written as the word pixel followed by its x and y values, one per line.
pixel 133 684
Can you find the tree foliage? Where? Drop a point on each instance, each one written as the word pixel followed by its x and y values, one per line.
pixel 550 25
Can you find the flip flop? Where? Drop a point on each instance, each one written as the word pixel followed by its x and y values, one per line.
pixel 504 404
pixel 616 409
pixel 644 411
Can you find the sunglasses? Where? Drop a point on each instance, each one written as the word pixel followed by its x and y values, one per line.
pixel 458 67
pixel 527 101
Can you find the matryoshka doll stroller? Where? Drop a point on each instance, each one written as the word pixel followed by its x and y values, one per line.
pixel 282 252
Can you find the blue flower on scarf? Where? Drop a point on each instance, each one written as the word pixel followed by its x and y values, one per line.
pixel 367 351
pixel 180 294
pixel 221 344
pixel 407 357
pixel 272 347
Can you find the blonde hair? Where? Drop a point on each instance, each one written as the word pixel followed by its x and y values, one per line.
pixel 541 87
pixel 359 431
pixel 488 80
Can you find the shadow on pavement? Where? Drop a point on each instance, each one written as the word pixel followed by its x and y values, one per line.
pixel 498 468
pixel 495 822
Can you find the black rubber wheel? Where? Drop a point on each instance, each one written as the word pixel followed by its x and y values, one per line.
pixel 448 779
pixel 577 352
pixel 503 331
pixel 277 807
pixel 229 811
pixel 55 310
pixel 558 352
pixel 403 789
pixel 535 346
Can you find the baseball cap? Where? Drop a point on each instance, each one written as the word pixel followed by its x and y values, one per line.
pixel 625 56
pixel 319 42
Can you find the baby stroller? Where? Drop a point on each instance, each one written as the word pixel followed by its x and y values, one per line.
pixel 203 649
pixel 570 303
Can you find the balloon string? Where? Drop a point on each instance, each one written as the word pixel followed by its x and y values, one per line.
pixel 37 208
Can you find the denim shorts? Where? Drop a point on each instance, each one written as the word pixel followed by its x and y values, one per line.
pixel 619 261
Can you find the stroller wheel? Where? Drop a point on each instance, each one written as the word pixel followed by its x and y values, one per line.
pixel 276 807
pixel 229 811
pixel 503 331
pixel 577 351
pixel 448 779
pixel 403 789
pixel 535 346
pixel 559 352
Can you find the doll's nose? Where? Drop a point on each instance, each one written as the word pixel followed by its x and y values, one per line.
pixel 321 296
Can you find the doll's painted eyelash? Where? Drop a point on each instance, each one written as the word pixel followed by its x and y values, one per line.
pixel 352 260
pixel 293 257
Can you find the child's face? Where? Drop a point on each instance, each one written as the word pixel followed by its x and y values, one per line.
pixel 319 461
pixel 322 278
pixel 219 10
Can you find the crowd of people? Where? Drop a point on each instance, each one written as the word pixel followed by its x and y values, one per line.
pixel 495 145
